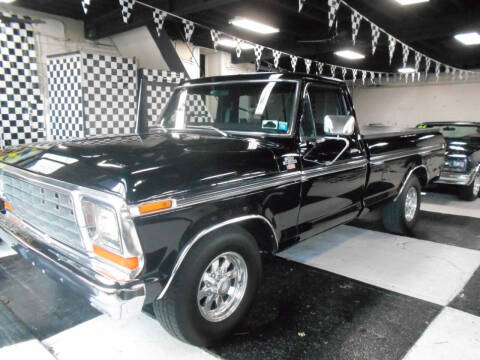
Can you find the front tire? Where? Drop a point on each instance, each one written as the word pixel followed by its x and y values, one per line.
pixel 470 192
pixel 213 289
pixel 400 216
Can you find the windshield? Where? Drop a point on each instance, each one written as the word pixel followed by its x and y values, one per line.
pixel 265 107
pixel 454 131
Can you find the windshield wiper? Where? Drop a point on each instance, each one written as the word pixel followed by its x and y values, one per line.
pixel 210 127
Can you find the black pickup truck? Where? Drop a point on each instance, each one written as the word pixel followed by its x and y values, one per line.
pixel 178 215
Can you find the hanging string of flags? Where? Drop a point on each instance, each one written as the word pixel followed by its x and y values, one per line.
pixel 189 27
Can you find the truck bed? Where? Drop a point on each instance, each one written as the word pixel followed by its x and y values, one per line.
pixel 375 132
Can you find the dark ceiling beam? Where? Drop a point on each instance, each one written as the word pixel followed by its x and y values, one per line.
pixel 185 7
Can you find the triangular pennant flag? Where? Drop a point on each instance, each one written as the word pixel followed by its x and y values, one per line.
pixel 215 35
pixel 320 66
pixel 392 44
pixel 159 18
pixel 372 77
pixel 344 73
pixel 437 70
pixel 354 74
pixel 127 6
pixel 276 57
pixel 85 5
pixel 364 76
pixel 428 64
pixel 333 6
pixel 238 47
pixel 356 20
pixel 418 59
pixel 308 64
pixel 300 4
pixel 405 53
pixel 333 69
pixel 189 28
pixel 258 50
pixel 293 61
pixel 375 37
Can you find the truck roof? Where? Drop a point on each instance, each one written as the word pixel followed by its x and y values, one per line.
pixel 264 76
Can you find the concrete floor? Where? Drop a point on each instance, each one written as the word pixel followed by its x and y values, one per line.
pixel 355 292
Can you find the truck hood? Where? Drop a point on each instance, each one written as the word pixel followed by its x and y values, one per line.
pixel 462 146
pixel 141 167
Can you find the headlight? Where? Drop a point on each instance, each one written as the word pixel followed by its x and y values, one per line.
pixel 456 164
pixel 102 225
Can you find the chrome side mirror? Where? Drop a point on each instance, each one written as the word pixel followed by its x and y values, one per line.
pixel 339 125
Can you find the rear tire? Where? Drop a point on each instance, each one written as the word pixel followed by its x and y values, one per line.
pixel 400 216
pixel 184 311
pixel 471 192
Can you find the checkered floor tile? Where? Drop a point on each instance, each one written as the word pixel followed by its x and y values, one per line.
pixel 352 292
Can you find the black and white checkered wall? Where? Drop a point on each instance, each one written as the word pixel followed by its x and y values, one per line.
pixel 91 95
pixel 160 85
pixel 21 105
pixel 65 97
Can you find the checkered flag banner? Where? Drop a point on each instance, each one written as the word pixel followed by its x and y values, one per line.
pixel 159 18
pixel 428 64
pixel 258 50
pixel 380 78
pixel 372 77
pixel 308 65
pixel 276 57
pixel 375 37
pixel 437 70
pixel 447 70
pixel 293 61
pixel 189 27
pixel 238 47
pixel 333 6
pixel 418 59
pixel 356 20
pixel 333 69
pixel 344 73
pixel 300 4
pixel 215 35
pixel 320 66
pixel 405 53
pixel 85 5
pixel 127 6
pixel 392 44
pixel 354 74
pixel 364 76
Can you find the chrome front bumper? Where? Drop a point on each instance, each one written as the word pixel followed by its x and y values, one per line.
pixel 452 178
pixel 112 298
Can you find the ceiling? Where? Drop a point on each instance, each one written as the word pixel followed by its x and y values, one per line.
pixel 428 27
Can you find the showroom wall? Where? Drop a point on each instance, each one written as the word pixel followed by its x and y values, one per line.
pixel 409 105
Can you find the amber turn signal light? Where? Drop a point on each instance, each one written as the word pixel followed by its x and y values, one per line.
pixel 8 206
pixel 129 263
pixel 155 206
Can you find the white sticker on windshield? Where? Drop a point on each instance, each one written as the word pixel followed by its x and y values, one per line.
pixel 270 124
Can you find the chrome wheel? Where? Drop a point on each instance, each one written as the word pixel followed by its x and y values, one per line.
pixel 411 204
pixel 222 286
pixel 476 185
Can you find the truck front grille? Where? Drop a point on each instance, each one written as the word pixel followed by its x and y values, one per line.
pixel 49 210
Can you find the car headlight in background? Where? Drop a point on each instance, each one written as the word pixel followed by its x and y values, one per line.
pixel 102 225
pixel 456 164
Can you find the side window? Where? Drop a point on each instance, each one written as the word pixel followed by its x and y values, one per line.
pixel 325 100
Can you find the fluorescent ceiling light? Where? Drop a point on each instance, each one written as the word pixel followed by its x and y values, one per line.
pixel 6 1
pixel 410 2
pixel 472 38
pixel 349 54
pixel 254 26
pixel 406 70
pixel 230 43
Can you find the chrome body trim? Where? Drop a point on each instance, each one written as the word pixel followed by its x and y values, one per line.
pixel 408 177
pixel 206 231
pixel 339 167
pixel 112 298
pixel 394 155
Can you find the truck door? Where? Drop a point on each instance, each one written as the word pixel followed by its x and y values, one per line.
pixel 334 168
